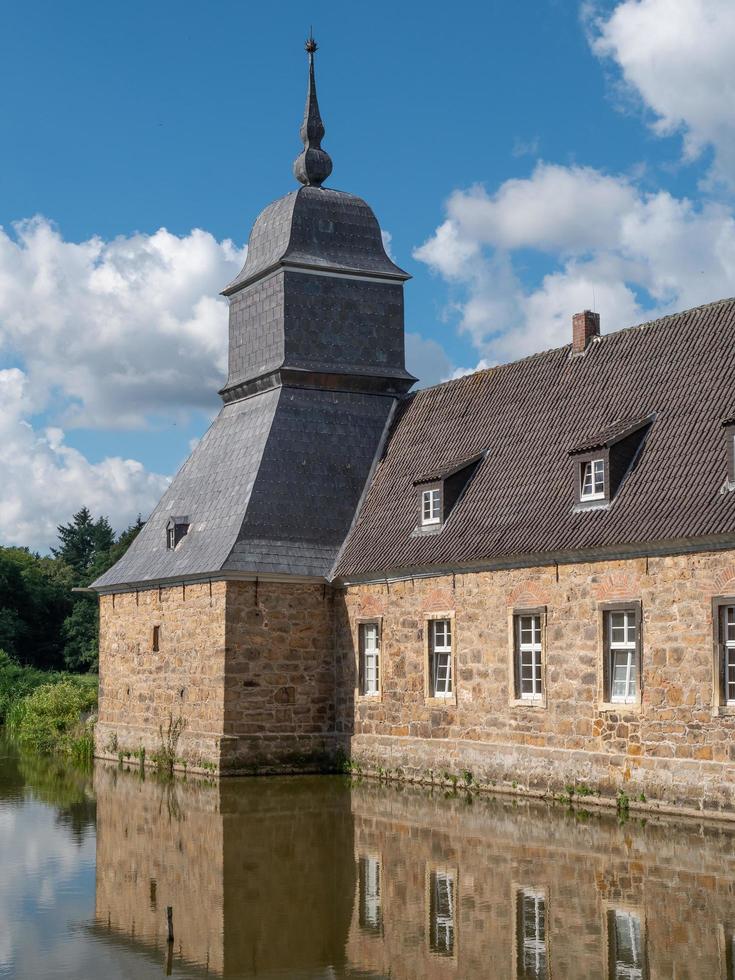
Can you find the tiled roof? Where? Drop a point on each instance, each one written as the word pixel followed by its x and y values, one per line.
pixel 528 416
pixel 612 434
pixel 449 469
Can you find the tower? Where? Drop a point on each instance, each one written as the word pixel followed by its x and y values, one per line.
pixel 260 509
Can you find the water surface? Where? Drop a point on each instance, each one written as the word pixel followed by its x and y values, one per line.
pixel 321 877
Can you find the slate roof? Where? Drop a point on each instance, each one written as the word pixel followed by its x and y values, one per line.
pixel 318 228
pixel 528 415
pixel 255 489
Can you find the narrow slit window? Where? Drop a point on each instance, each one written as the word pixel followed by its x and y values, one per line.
pixel 156 638
pixel 430 507
pixel 440 659
pixel 442 901
pixel 528 656
pixel 531 950
pixel 626 951
pixel 370 658
pixel 171 539
pixel 593 480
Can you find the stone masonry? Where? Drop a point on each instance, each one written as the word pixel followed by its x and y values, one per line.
pixel 246 669
pixel 676 747
pixel 264 677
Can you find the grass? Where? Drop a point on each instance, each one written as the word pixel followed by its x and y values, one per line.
pixel 48 712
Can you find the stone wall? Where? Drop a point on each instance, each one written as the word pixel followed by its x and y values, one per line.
pixel 264 677
pixel 279 700
pixel 143 690
pixel 247 669
pixel 676 746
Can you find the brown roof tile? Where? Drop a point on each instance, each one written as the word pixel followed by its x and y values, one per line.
pixel 527 415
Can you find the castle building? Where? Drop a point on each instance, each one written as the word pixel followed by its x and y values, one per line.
pixel 526 575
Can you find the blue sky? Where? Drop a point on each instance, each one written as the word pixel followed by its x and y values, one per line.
pixel 527 160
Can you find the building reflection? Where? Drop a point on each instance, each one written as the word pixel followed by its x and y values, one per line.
pixel 320 878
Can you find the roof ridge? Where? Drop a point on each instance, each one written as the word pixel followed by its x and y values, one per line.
pixel 598 339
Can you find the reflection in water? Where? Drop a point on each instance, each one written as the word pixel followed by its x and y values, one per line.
pixel 441 913
pixel 626 945
pixel 319 878
pixel 531 934
pixel 371 913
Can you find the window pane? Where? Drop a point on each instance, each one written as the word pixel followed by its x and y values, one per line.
pixel 442 634
pixel 370 653
pixel 730 624
pixel 623 674
pixel 593 478
pixel 442 673
pixel 599 467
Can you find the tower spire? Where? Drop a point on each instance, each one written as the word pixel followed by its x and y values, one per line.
pixel 313 165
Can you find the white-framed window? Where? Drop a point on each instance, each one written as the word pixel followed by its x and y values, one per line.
pixel 371 910
pixel 528 656
pixel 593 480
pixel 727 653
pixel 370 658
pixel 531 949
pixel 440 658
pixel 431 506
pixel 625 942
pixel 622 655
pixel 442 901
pixel 171 538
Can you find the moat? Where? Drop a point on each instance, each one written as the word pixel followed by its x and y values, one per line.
pixel 327 877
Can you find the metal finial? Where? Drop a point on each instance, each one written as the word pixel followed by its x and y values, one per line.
pixel 313 165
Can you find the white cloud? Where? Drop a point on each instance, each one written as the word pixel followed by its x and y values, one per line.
pixel 118 332
pixel 629 253
pixel 426 359
pixel 45 481
pixel 676 56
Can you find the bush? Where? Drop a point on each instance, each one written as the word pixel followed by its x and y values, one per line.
pixel 55 717
pixel 17 681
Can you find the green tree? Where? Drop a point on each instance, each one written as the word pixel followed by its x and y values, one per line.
pixel 80 630
pixel 82 541
pixel 35 598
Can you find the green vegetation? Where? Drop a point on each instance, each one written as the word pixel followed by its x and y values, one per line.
pixel 43 624
pixel 56 717
pixel 16 682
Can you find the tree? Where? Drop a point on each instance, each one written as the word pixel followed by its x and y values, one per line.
pixel 80 630
pixel 83 540
pixel 35 598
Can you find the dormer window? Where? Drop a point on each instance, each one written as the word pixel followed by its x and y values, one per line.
pixel 728 426
pixel 176 529
pixel 431 506
pixel 604 460
pixel 593 479
pixel 440 490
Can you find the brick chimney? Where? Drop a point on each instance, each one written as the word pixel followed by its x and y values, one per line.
pixel 585 326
